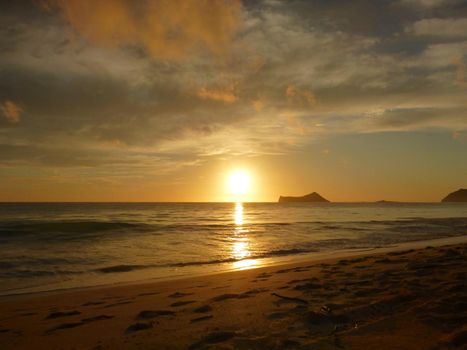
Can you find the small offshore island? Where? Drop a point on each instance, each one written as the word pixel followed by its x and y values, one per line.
pixel 312 197
pixel 457 196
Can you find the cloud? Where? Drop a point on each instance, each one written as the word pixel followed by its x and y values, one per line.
pixel 11 111
pixel 460 135
pixel 460 74
pixel 295 73
pixel 418 118
pixel 298 96
pixel 165 29
pixel 445 54
pixel 437 27
pixel 428 4
pixel 258 104
pixel 225 95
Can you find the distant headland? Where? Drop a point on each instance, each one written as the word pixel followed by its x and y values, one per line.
pixel 312 197
pixel 457 196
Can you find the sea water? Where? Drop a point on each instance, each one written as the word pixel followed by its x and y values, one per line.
pixel 46 246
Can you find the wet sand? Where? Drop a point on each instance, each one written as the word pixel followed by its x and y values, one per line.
pixel 411 299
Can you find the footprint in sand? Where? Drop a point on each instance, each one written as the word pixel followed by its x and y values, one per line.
pixel 277 315
pixel 199 319
pixel 80 323
pixel 308 287
pixel 117 304
pixel 64 326
pixel 97 318
pixel 203 309
pixel 138 326
pixel 284 270
pixel 227 296
pixel 91 303
pixel 286 299
pixel 179 295
pixel 182 303
pixel 213 338
pixel 29 314
pixel 243 295
pixel 149 314
pixel 457 339
pixel 58 314
pixel 148 294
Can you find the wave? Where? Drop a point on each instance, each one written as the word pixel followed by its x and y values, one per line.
pixel 312 236
pixel 28 273
pixel 74 229
pixel 274 253
pixel 122 268
pixel 89 227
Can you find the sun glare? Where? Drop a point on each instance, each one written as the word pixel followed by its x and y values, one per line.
pixel 239 182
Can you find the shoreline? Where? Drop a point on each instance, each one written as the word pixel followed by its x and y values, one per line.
pixel 406 297
pixel 274 262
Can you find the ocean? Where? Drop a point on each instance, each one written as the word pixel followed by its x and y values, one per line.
pixel 48 246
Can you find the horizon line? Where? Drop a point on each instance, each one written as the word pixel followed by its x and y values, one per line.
pixel 215 202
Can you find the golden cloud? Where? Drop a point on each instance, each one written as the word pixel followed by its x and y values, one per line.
pixel 226 96
pixel 460 74
pixel 299 96
pixel 11 111
pixel 258 104
pixel 460 135
pixel 165 28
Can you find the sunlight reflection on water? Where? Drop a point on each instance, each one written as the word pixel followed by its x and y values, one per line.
pixel 238 215
pixel 241 242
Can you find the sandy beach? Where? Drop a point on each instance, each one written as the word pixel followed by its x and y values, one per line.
pixel 409 299
pixel 233 174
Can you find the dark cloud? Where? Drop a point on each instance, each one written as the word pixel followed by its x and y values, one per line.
pixel 269 79
pixel 409 118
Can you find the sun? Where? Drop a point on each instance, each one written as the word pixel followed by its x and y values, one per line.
pixel 239 182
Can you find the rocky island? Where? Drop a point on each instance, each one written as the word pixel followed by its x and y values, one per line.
pixel 457 196
pixel 312 197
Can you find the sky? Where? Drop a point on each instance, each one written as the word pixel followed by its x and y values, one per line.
pixel 124 100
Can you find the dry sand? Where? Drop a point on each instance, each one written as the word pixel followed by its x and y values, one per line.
pixel 413 299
